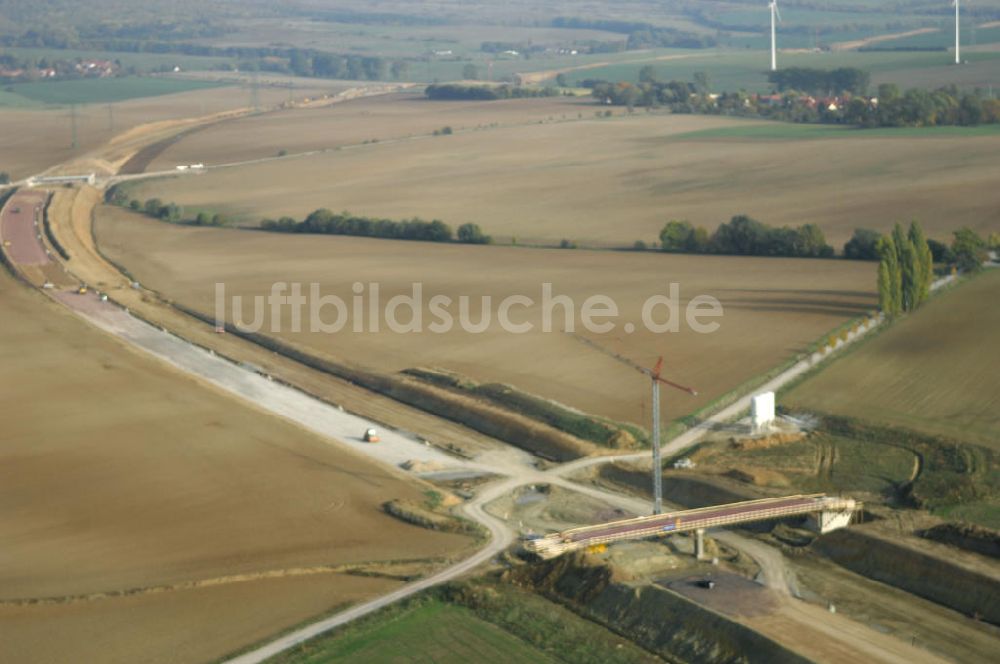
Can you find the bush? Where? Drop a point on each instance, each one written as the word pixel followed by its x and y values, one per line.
pixel 152 207
pixel 640 246
pixel 567 244
pixel 941 252
pixel 682 237
pixel 969 250
pixel 473 234
pixel 861 246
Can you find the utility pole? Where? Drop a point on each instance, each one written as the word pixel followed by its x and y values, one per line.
pixel 72 124
pixel 255 91
pixel 111 117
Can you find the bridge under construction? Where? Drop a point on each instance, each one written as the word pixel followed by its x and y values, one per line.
pixel 828 512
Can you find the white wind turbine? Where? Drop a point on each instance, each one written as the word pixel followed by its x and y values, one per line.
pixel 958 57
pixel 776 17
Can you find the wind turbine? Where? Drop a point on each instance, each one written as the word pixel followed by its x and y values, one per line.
pixel 776 17
pixel 958 57
pixel 655 378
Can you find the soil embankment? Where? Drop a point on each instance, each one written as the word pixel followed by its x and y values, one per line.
pixel 655 617
pixel 930 571
pixel 970 537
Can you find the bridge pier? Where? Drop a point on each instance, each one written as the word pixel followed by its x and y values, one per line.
pixel 828 520
pixel 699 544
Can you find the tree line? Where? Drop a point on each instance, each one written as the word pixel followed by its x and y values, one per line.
pixel 640 34
pixel 454 91
pixel 967 251
pixel 889 108
pixel 745 236
pixel 325 222
pixel 821 81
pixel 169 212
pixel 321 221
pixel 307 63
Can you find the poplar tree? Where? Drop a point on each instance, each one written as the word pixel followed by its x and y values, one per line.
pixel 893 296
pixel 884 287
pixel 909 267
pixel 925 261
pixel 904 262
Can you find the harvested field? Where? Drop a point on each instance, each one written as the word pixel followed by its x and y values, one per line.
pixel 383 118
pixel 774 308
pixel 37 138
pixel 936 371
pixel 119 474
pixel 597 182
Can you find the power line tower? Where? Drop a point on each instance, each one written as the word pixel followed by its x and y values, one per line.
pixel 255 91
pixel 72 125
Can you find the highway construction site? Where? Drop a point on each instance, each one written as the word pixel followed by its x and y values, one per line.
pixel 733 569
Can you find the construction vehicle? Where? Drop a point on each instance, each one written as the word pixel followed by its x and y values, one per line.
pixel 82 290
pixel 371 436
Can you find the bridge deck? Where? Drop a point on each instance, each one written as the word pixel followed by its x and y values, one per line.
pixel 687 520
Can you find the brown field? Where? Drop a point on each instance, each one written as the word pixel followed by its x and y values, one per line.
pixel 597 182
pixel 774 308
pixel 389 117
pixel 117 473
pixel 34 139
pixel 936 371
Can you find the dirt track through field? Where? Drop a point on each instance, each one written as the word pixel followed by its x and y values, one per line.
pixel 861 43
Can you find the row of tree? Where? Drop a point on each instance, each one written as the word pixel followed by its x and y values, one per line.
pixel 325 222
pixel 967 250
pixel 170 212
pixel 744 236
pixel 320 221
pixel 454 91
pixel 297 61
pixel 889 108
pixel 921 108
pixel 827 82
pixel 640 34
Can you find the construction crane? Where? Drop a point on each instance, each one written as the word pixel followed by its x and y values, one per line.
pixel 655 380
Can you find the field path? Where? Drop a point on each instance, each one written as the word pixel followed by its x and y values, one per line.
pixel 861 43
pixel 534 77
